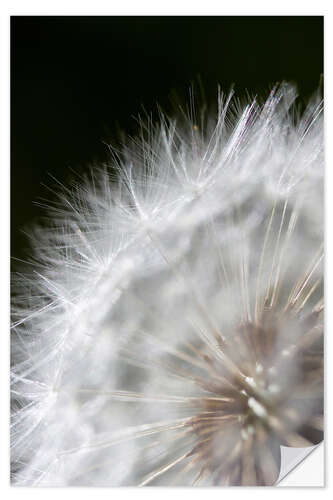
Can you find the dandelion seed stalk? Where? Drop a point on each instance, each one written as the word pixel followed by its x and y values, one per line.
pixel 171 329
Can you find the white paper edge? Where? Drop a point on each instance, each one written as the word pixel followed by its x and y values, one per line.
pixel 302 466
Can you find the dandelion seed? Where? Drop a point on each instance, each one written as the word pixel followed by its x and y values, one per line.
pixel 171 332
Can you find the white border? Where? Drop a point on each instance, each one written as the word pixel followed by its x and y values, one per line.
pixel 170 7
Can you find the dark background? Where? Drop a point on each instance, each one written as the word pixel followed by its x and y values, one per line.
pixel 76 80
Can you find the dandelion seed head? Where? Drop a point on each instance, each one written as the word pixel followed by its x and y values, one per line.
pixel 171 330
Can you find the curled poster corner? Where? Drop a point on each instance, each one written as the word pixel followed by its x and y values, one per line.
pixel 302 466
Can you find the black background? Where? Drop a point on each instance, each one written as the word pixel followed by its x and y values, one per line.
pixel 75 80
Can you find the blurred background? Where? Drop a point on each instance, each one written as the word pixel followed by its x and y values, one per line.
pixel 77 81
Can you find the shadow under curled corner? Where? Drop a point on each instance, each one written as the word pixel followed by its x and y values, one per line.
pixel 302 466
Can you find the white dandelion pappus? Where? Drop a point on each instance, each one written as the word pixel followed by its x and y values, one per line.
pixel 171 331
